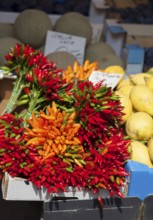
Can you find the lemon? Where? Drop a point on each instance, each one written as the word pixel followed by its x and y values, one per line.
pixel 127 106
pixel 123 82
pixel 140 153
pixel 149 83
pixel 114 69
pixel 150 148
pixel 125 90
pixel 139 126
pixel 150 70
pixel 139 78
pixel 142 99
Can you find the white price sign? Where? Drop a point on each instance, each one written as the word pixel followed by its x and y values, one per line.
pixel 56 41
pixel 109 79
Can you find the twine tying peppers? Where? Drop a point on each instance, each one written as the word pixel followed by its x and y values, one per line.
pixel 72 137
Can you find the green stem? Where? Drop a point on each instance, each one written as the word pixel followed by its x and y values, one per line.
pixel 32 105
pixel 17 89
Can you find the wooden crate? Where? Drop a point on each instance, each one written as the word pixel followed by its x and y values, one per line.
pixel 124 4
pixel 138 2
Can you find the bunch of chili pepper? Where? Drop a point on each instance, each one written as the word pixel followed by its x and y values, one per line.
pixel 13 159
pixel 37 79
pixel 40 154
pixel 98 111
pixel 79 72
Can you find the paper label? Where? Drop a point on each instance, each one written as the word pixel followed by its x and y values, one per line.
pixel 56 41
pixel 109 79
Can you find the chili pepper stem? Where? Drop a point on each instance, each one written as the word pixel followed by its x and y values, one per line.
pixel 32 105
pixel 17 89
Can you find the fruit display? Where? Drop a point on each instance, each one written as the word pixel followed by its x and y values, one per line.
pixel 59 129
pixel 32 25
pixel 139 123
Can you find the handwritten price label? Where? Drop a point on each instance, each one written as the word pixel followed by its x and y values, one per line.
pixel 109 79
pixel 56 41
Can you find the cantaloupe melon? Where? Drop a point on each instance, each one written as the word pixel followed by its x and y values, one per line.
pixel 98 50
pixel 31 27
pixel 6 30
pixel 110 60
pixel 5 46
pixel 74 23
pixel 62 59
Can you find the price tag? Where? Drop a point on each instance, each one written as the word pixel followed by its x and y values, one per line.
pixel 109 79
pixel 56 41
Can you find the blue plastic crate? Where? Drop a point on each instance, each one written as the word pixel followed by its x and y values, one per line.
pixel 135 53
pixel 140 182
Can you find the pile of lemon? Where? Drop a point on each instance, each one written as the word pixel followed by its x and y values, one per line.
pixel 136 96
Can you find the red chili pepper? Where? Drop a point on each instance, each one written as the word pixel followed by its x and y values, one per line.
pixel 26 90
pixel 29 77
pixel 100 200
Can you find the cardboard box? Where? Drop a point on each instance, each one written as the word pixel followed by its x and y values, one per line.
pixel 140 181
pixel 125 4
pixel 98 11
pixel 141 34
pixel 20 189
pixel 114 35
pixel 133 56
pixel 6 85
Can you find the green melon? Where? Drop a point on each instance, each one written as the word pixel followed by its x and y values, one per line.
pixel 74 23
pixel 6 30
pixel 110 60
pixel 31 27
pixel 62 59
pixel 5 46
pixel 98 50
